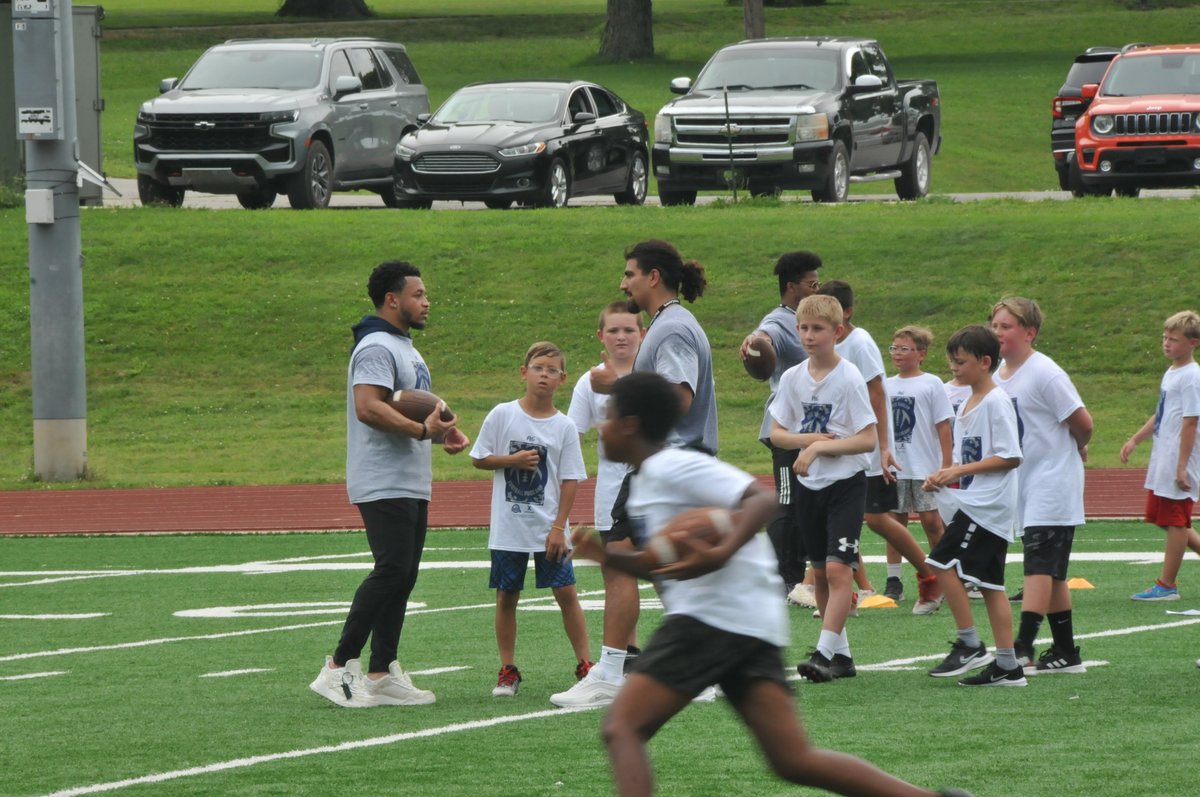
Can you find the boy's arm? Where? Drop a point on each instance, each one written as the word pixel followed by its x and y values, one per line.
pixel 556 540
pixel 954 473
pixel 782 438
pixel 1137 437
pixel 525 459
pixel 1079 424
pixel 1187 439
pixel 860 442
pixel 945 442
pixel 879 404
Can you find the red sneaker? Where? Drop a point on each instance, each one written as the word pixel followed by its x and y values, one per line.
pixel 582 668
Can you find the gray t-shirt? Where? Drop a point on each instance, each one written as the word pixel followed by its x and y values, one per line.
pixel 780 327
pixel 676 348
pixel 382 465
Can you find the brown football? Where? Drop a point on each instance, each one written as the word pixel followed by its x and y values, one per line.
pixel 708 524
pixel 416 405
pixel 760 358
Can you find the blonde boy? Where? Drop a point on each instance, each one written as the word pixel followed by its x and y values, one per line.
pixel 1173 476
pixel 534 450
pixel 921 416
pixel 822 409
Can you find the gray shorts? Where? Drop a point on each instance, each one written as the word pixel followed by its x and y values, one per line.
pixel 912 498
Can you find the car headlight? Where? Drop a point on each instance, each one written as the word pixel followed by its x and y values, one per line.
pixel 279 117
pixel 405 153
pixel 662 129
pixel 812 127
pixel 524 149
pixel 1102 125
pixel 144 115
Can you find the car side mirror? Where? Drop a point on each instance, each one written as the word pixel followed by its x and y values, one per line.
pixel 1088 91
pixel 681 85
pixel 422 118
pixel 346 84
pixel 583 118
pixel 167 84
pixel 865 83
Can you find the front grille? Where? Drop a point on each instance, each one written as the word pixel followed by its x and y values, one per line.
pixel 1153 124
pixel 746 131
pixel 218 132
pixel 455 187
pixel 456 163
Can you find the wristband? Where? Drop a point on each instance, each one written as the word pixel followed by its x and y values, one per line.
pixel 560 528
pixel 424 430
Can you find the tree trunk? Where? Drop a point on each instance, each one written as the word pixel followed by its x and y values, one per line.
pixel 326 9
pixel 628 33
pixel 756 23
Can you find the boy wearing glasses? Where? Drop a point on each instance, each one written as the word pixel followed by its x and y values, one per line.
pixel 921 416
pixel 534 450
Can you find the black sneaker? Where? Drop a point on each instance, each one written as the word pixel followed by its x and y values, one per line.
pixel 1054 661
pixel 1017 597
pixel 1025 657
pixel 631 654
pixel 842 666
pixel 962 658
pixel 894 589
pixel 994 675
pixel 817 669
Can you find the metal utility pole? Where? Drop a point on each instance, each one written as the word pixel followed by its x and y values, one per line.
pixel 44 67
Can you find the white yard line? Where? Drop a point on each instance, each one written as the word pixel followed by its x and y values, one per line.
pixel 231 673
pixel 30 675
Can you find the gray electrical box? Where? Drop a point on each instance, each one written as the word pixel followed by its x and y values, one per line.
pixel 89 104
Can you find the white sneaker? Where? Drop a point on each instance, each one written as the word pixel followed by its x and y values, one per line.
pixel 396 689
pixel 591 691
pixel 929 607
pixel 328 683
pixel 709 695
pixel 803 595
pixel 345 686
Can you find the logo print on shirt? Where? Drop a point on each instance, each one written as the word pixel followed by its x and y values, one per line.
pixel 526 486
pixel 904 417
pixel 421 371
pixel 1020 425
pixel 972 451
pixel 1159 410
pixel 816 418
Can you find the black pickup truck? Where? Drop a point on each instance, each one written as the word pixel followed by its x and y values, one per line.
pixel 815 113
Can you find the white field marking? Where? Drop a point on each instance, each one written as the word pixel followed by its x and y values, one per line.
pixel 587 605
pixel 438 670
pixel 230 673
pixel 377 741
pixel 89 616
pixel 1088 663
pixel 29 675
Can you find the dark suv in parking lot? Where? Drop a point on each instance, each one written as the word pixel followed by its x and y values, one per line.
pixel 260 117
pixel 1069 103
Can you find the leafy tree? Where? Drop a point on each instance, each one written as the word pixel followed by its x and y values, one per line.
pixel 628 32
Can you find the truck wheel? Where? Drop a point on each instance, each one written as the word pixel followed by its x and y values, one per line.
pixel 310 187
pixel 913 182
pixel 1078 189
pixel 635 186
pixel 557 189
pixel 257 199
pixel 668 197
pixel 837 178
pixel 152 192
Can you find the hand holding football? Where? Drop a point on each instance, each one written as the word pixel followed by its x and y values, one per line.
pixel 758 357
pixel 706 524
pixel 417 405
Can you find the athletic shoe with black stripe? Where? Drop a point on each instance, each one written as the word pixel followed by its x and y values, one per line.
pixel 995 675
pixel 962 658
pixel 817 669
pixel 1056 661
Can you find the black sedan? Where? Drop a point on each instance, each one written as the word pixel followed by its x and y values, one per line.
pixel 532 142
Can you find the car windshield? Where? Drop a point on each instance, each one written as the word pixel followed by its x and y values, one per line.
pixel 500 104
pixel 1168 73
pixel 755 68
pixel 254 69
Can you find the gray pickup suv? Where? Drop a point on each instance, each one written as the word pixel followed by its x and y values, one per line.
pixel 261 117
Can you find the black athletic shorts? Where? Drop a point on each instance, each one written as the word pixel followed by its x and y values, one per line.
pixel 881 496
pixel 973 551
pixel 830 520
pixel 688 656
pixel 1048 550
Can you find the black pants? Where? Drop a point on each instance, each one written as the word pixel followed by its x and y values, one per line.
pixel 782 530
pixel 396 533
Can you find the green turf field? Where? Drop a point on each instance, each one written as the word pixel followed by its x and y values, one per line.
pixel 139 700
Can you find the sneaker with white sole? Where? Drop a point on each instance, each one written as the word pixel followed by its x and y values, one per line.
pixel 708 694
pixel 963 658
pixel 929 595
pixel 396 689
pixel 352 691
pixel 894 589
pixel 1024 654
pixel 1157 592
pixel 995 675
pixel 328 683
pixel 803 595
pixel 508 681
pixel 1057 661
pixel 591 691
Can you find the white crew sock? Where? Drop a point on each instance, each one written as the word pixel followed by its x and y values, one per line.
pixel 827 643
pixel 894 570
pixel 611 666
pixel 843 644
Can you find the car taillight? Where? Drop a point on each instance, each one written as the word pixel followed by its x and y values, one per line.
pixel 1063 106
pixel 1056 107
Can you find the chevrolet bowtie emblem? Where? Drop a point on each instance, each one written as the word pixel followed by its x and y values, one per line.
pixel 205 125
pixel 729 130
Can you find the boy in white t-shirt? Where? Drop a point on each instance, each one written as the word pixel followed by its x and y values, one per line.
pixel 1054 429
pixel 822 408
pixel 922 444
pixel 534 450
pixel 1173 476
pixel 621 332
pixel 724 621
pixel 980 513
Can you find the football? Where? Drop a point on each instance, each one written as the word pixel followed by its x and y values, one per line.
pixel 760 358
pixel 708 523
pixel 416 405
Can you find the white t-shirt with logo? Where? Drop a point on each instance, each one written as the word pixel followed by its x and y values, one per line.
pixel 919 404
pixel 860 349
pixel 1178 398
pixel 989 429
pixel 838 403
pixel 588 408
pixel 525 503
pixel 743 597
pixel 1051 475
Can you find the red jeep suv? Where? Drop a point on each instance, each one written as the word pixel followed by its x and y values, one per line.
pixel 1142 129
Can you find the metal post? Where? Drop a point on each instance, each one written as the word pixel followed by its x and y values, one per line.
pixel 45 88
